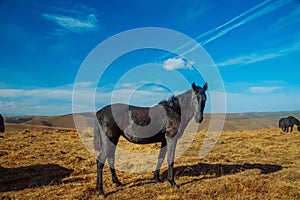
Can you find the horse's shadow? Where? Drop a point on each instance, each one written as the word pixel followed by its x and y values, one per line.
pixel 203 171
pixel 14 179
pixel 221 169
pixel 218 170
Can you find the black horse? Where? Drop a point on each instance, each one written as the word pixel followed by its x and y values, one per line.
pixel 164 123
pixel 2 127
pixel 288 122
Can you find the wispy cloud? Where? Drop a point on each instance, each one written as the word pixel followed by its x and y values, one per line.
pixel 197 9
pixel 78 20
pixel 74 24
pixel 262 89
pixel 260 56
pixel 43 93
pixel 291 19
pixel 257 102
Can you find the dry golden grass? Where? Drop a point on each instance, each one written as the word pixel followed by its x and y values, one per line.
pixel 52 163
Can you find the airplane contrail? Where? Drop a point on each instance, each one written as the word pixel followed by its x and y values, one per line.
pixel 243 18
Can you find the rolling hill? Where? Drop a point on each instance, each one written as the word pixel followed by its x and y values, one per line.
pixel 236 121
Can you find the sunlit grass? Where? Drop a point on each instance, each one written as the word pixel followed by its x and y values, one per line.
pixel 258 164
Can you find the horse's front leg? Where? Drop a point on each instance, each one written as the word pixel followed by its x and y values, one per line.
pixel 171 145
pixel 161 157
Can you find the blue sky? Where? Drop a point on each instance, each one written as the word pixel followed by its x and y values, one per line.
pixel 254 44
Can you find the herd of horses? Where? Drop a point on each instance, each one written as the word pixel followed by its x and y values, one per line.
pixel 163 123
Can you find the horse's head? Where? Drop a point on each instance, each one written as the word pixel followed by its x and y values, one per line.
pixel 198 101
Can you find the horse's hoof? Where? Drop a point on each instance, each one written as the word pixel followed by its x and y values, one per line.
pixel 101 195
pixel 173 184
pixel 118 183
pixel 157 180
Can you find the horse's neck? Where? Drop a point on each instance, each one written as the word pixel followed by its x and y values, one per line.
pixel 185 100
pixel 297 122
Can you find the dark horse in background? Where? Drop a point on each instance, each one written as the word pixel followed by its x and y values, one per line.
pixel 288 122
pixel 2 127
pixel 168 120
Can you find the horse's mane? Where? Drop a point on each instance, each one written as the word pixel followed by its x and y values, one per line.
pixel 172 104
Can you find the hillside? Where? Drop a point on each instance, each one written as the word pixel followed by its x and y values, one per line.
pixel 63 121
pixel 243 121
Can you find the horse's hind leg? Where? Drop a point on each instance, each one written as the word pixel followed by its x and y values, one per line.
pixel 161 157
pixel 100 164
pixel 111 163
pixel 104 154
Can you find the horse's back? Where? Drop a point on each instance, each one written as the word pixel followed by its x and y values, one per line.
pixel 293 120
pixel 117 111
pixel 120 115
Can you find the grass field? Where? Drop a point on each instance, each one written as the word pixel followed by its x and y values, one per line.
pixel 52 163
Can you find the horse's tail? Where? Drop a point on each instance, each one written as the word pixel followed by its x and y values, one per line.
pixel 281 121
pixel 97 136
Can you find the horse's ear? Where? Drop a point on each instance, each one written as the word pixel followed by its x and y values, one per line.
pixel 194 86
pixel 205 86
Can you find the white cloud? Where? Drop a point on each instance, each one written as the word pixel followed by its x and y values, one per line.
pixel 127 85
pixel 176 63
pixel 261 89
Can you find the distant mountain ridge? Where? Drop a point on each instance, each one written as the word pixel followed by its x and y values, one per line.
pixel 63 121
pixel 233 121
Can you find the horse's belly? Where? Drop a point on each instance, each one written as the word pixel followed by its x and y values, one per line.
pixel 144 140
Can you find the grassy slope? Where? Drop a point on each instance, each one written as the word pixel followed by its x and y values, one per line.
pixel 51 163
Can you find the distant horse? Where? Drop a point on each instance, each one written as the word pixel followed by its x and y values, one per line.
pixel 288 122
pixel 168 121
pixel 2 127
